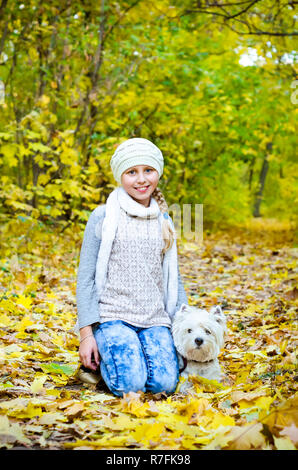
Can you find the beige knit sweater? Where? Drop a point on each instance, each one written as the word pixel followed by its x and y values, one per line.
pixel 134 288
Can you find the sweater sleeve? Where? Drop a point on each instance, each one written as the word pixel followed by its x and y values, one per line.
pixel 86 294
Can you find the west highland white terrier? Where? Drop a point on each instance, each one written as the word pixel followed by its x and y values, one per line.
pixel 198 337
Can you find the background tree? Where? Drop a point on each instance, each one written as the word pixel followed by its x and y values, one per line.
pixel 80 77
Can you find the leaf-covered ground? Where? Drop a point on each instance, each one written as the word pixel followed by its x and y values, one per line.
pixel 252 273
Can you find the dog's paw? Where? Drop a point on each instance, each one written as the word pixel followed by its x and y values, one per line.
pixel 184 386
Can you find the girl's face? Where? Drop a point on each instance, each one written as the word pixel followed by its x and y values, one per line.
pixel 139 182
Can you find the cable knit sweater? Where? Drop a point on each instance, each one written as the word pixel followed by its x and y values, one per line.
pixel 134 287
pixel 91 311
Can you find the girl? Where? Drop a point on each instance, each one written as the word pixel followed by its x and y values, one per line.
pixel 128 283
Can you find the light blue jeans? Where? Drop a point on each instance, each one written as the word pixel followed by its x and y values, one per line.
pixel 134 358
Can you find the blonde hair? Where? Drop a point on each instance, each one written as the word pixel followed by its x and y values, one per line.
pixel 167 231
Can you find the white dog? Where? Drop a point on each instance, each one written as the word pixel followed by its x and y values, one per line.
pixel 198 337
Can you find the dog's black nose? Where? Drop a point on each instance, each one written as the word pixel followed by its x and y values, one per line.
pixel 199 341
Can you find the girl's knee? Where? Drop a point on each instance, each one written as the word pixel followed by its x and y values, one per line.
pixel 125 382
pixel 136 386
pixel 163 383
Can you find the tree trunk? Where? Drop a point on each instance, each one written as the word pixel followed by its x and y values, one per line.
pixel 263 174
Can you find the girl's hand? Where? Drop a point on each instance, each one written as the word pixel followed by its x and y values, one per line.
pixel 87 347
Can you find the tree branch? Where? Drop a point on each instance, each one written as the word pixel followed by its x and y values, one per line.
pixel 246 13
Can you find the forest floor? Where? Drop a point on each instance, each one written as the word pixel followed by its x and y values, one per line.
pixel 251 272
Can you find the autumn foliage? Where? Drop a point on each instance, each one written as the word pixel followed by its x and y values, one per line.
pixel 80 77
pixel 77 78
pixel 44 405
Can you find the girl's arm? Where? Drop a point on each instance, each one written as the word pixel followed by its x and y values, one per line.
pixel 86 295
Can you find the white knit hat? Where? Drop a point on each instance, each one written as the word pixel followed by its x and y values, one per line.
pixel 136 151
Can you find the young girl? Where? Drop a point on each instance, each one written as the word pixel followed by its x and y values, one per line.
pixel 128 283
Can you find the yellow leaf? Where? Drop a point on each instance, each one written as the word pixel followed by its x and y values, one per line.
pixel 9 151
pixel 108 440
pixel 7 305
pixel 220 419
pixel 43 101
pixel 191 406
pixel 52 418
pixel 238 396
pixel 120 423
pixel 285 415
pixel 283 443
pixel 53 391
pixel 43 178
pixel 261 403
pixel 75 409
pixel 218 439
pixel 247 437
pixel 283 346
pixel 5 320
pixel 131 403
pixel 21 327
pixel 291 432
pixel 37 385
pixel 146 432
pixel 59 380
pixel 264 403
pixel 21 408
pixel 11 432
pixel 13 350
pixel 24 301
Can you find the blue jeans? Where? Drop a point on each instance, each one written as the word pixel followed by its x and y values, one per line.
pixel 134 358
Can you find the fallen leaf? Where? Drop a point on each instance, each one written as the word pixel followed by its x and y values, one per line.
pixel 11 433
pixel 246 437
pixel 283 443
pixel 291 432
pixel 37 385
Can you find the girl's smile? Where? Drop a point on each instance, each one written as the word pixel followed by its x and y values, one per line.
pixel 139 182
pixel 143 189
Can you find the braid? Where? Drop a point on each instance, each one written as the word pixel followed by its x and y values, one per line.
pixel 167 231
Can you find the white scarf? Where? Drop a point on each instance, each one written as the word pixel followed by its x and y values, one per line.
pixel 120 198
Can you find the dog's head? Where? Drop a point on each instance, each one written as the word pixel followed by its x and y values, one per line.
pixel 198 334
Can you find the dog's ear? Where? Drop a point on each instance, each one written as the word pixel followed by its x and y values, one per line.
pixel 218 314
pixel 183 308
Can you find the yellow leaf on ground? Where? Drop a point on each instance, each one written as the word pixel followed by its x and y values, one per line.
pixel 109 440
pixel 191 406
pixel 146 432
pixel 24 301
pixel 11 433
pixel 37 385
pixel 247 396
pixel 120 422
pixel 52 418
pixel 212 419
pixel 291 432
pixel 247 437
pixel 283 443
pixel 220 419
pixel 75 409
pixel 26 321
pixel 5 321
pixel 21 408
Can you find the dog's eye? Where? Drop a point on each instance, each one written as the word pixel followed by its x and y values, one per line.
pixel 189 330
pixel 208 332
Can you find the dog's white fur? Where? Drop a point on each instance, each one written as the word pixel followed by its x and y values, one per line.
pixel 198 337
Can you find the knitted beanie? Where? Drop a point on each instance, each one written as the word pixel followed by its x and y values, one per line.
pixel 136 151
